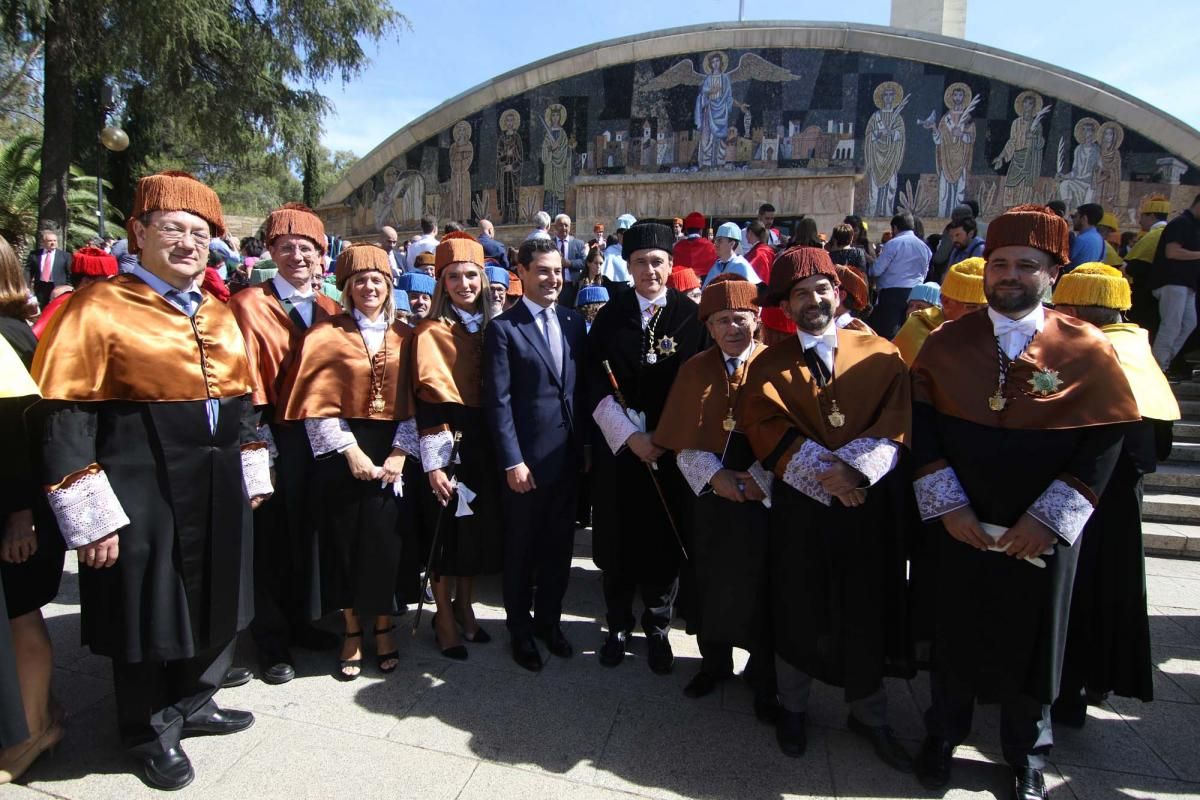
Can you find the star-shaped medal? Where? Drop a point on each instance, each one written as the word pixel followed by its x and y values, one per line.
pixel 666 346
pixel 1045 382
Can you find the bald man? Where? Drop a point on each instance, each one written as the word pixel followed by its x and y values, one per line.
pixel 492 250
pixel 389 240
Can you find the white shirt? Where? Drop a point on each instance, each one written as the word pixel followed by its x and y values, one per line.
pixel 644 305
pixel 1016 334
pixel 539 318
pixel 824 343
pixel 741 357
pixel 372 332
pixel 473 322
pixel 845 319
pixel 426 243
pixel 537 233
pixel 302 299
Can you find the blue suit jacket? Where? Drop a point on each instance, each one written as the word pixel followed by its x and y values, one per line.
pixel 536 417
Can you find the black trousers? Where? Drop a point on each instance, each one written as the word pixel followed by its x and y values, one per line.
pixel 716 659
pixel 42 291
pixel 1025 734
pixel 888 315
pixel 658 600
pixel 155 699
pixel 539 538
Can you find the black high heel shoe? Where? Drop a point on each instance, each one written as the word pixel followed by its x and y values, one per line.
pixel 480 636
pixel 457 653
pixel 382 658
pixel 349 663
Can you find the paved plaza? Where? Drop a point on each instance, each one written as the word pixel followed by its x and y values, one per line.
pixel 487 729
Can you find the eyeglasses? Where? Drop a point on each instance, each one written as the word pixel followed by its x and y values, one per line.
pixel 173 234
pixel 302 250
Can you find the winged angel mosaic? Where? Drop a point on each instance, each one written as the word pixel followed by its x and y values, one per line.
pixel 715 100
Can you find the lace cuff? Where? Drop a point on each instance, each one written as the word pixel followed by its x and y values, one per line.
pixel 616 427
pixel 264 435
pixel 435 450
pixel 764 479
pixel 802 470
pixel 698 467
pixel 86 508
pixel 874 458
pixel 329 435
pixel 256 470
pixel 1063 510
pixel 939 493
pixel 406 437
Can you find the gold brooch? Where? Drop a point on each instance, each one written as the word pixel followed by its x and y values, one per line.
pixel 1045 382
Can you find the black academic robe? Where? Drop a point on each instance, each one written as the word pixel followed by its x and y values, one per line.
pixel 183 582
pixel 631 533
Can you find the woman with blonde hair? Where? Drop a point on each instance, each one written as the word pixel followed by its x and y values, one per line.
pixel 351 385
pixel 448 384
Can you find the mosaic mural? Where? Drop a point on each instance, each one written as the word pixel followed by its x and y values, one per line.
pixel 921 137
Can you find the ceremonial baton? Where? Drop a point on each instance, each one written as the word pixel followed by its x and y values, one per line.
pixel 437 530
pixel 612 379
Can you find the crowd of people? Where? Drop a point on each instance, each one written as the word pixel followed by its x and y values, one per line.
pixel 851 461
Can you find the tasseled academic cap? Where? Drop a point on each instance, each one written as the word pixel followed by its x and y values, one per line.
pixel 497 275
pixel 793 266
pixel 93 262
pixel 964 282
pixel 694 221
pixel 361 257
pixel 683 279
pixel 296 219
pixel 854 285
pixel 417 282
pixel 728 293
pixel 175 191
pixel 1155 204
pixel 1030 226
pixel 1093 284
pixel 591 294
pixel 456 247
pixel 515 287
pixel 647 236
pixel 426 259
pixel 928 292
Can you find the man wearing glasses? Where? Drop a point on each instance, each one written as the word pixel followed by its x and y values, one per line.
pixel 151 463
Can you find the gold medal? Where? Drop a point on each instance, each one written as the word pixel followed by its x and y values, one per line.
pixel 728 424
pixel 997 402
pixel 836 418
pixel 376 406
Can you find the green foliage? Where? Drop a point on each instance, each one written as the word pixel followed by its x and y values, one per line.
pixel 20 89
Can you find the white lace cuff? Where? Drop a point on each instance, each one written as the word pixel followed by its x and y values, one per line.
pixel 616 427
pixel 329 435
pixel 265 435
pixel 873 458
pixel 435 450
pixel 698 468
pixel 256 471
pixel 803 468
pixel 87 509
pixel 764 479
pixel 939 493
pixel 406 437
pixel 1063 510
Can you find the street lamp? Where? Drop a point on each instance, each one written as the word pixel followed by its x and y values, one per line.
pixel 115 140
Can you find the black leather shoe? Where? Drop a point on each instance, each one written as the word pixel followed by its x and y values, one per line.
pixel 766 709
pixel 169 770
pixel 1028 784
pixel 661 658
pixel 556 642
pixel 310 637
pixel 1069 711
pixel 221 721
pixel 933 763
pixel 278 672
pixel 613 651
pixel 884 743
pixel 236 676
pixel 525 653
pixel 701 685
pixel 790 733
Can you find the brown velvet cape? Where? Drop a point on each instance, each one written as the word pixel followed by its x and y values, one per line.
pixel 331 373
pixel 447 364
pixel 699 402
pixel 87 353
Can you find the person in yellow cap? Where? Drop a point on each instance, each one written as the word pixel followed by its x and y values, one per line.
pixel 1152 218
pixel 1108 639
pixel 1110 230
pixel 152 464
pixel 962 293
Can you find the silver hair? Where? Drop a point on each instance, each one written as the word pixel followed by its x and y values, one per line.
pixel 541 220
pixel 563 217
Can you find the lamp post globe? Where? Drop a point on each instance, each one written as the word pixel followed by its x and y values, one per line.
pixel 114 139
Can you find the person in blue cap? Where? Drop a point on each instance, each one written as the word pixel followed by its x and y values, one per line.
pixel 614 267
pixel 497 287
pixel 728 240
pixel 589 301
pixel 419 287
pixel 403 307
pixel 923 295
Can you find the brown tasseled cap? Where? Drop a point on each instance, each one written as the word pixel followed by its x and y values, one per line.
pixel 296 219
pixel 728 293
pixel 854 285
pixel 795 265
pixel 175 191
pixel 361 257
pixel 1030 226
pixel 455 247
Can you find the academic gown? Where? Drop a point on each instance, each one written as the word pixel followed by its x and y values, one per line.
pixel 631 533
pixel 136 409
pixel 998 623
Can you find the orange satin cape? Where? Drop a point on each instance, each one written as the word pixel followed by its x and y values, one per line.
pixel 870 384
pixel 271 336
pixel 120 340
pixel 700 401
pixel 957 371
pixel 331 374
pixel 448 364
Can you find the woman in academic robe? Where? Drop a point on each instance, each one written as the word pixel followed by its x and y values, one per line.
pixel 351 386
pixel 448 383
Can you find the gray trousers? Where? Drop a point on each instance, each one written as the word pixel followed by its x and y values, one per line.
pixel 1177 310
pixel 795 686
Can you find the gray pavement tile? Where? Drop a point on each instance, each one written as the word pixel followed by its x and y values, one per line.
pixel 1111 741
pixel 1169 690
pixel 15 791
pixel 306 762
pixel 1093 784
pixel 496 782
pixel 524 720
pixel 688 750
pixel 1173 627
pixel 1173 567
pixel 77 691
pixel 1174 592
pixel 1182 666
pixel 1171 729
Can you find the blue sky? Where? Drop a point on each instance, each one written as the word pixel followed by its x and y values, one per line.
pixel 1145 49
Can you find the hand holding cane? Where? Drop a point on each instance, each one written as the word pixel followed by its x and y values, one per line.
pixel 437 530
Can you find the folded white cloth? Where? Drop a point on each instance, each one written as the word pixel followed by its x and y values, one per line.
pixel 465 496
pixel 996 531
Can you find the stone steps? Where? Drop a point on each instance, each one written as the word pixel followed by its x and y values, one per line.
pixel 1174 479
pixel 1171 508
pixel 1171 539
pixel 1186 453
pixel 1186 431
pixel 1171 504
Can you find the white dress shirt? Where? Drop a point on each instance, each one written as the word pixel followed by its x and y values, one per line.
pixel 372 332
pixel 824 343
pixel 645 305
pixel 1016 334
pixel 425 243
pixel 473 322
pixel 303 300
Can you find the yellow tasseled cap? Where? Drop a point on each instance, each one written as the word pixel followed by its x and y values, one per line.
pixel 1093 284
pixel 964 282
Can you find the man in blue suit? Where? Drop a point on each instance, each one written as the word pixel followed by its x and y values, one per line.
pixel 532 393
pixel 573 250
